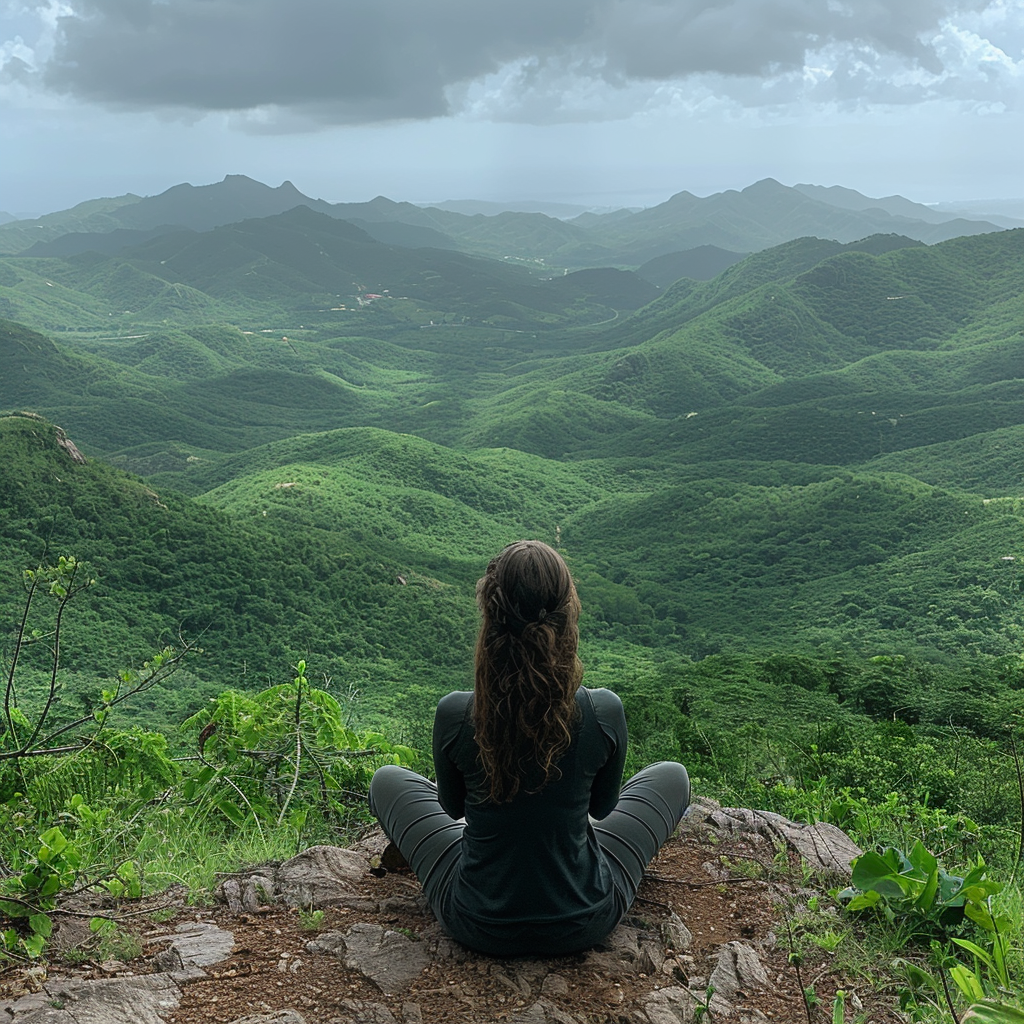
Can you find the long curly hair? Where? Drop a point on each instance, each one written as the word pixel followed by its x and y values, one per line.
pixel 527 671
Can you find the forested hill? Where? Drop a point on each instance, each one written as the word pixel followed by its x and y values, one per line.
pixel 818 450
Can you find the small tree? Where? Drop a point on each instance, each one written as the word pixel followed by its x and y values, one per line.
pixel 45 766
pixel 24 736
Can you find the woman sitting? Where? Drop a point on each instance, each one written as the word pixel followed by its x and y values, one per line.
pixel 527 845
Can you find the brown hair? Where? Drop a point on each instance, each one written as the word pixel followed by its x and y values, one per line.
pixel 527 671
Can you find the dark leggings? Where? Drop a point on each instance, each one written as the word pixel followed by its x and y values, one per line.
pixel 649 808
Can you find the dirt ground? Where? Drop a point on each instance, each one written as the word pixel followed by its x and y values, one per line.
pixel 270 968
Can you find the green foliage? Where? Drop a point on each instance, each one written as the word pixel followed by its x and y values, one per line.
pixel 839 1007
pixel 912 887
pixel 275 766
pixel 27 895
pixel 786 359
pixel 311 920
pixel 993 1012
pixel 113 941
pixel 924 903
pixel 991 968
pixel 269 758
pixel 816 445
pixel 45 767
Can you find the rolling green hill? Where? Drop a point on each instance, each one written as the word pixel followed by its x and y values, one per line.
pixel 293 269
pixel 811 352
pixel 257 598
pixel 762 215
pixel 819 443
pixel 791 496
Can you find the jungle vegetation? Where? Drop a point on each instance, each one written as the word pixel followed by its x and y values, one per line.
pixel 262 466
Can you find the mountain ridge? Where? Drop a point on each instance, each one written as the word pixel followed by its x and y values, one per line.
pixel 764 214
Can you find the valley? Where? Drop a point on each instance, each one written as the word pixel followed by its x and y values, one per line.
pixel 795 447
pixel 790 485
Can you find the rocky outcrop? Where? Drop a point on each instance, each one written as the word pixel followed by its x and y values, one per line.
pixel 322 876
pixel 68 446
pixel 392 961
pixel 135 999
pixel 824 848
pixel 738 972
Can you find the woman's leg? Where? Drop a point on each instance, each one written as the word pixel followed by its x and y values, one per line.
pixel 408 810
pixel 649 808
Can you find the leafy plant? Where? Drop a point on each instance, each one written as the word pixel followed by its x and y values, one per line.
pixel 266 758
pixel 990 964
pixel 27 896
pixel 829 940
pixel 702 1007
pixel 114 941
pixel 311 920
pixel 914 893
pixel 839 1007
pixel 992 1012
pixel 914 890
pixel 25 734
pixel 41 764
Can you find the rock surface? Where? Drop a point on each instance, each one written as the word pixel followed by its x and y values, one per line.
pixel 673 1005
pixel 392 961
pixel 825 848
pixel 738 973
pixel 322 876
pixel 647 971
pixel 135 1000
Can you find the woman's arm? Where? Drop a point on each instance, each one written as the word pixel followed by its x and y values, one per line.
pixel 451 783
pixel 604 794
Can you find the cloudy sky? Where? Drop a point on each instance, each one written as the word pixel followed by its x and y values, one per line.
pixel 597 102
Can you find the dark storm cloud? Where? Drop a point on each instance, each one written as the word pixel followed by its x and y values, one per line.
pixel 370 61
pixel 669 38
pixel 337 61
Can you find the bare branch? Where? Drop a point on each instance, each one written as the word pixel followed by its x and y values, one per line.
pixel 18 643
pixel 68 594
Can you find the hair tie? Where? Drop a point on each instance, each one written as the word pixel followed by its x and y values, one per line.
pixel 542 614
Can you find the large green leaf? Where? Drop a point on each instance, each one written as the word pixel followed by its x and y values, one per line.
pixel 989 1012
pixel 881 873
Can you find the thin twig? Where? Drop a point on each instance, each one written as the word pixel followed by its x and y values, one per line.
pixel 794 959
pixel 47 751
pixel 55 910
pixel 69 593
pixel 698 885
pixel 949 998
pixel 166 669
pixel 654 903
pixel 18 643
pixel 298 746
pixel 1020 794
pixel 341 755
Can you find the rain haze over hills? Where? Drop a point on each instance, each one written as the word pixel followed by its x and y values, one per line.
pixel 592 103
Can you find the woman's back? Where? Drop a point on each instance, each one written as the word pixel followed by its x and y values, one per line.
pixel 534 857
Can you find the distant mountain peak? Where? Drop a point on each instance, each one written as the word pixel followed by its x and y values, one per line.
pixel 766 185
pixel 242 181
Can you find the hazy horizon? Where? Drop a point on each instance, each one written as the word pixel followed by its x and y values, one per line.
pixel 1008 206
pixel 604 103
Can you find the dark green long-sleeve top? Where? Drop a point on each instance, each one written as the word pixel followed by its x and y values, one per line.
pixel 531 877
